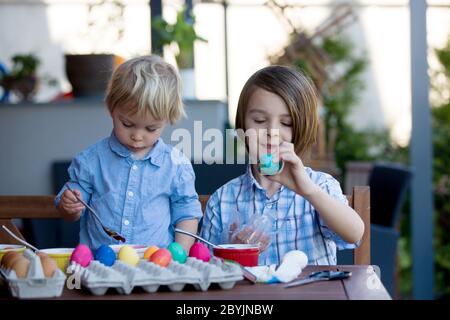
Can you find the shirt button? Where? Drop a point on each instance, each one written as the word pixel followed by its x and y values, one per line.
pixel 135 167
pixel 130 194
pixel 126 222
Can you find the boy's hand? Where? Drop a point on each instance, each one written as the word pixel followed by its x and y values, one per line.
pixel 69 204
pixel 249 236
pixel 293 175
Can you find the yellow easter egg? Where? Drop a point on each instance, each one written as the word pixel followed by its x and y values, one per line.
pixel 128 255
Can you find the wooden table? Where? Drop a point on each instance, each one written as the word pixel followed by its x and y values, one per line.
pixel 363 284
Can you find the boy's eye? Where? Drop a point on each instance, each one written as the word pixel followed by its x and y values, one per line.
pixel 151 129
pixel 126 124
pixel 259 120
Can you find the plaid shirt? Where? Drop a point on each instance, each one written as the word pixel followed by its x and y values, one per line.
pixel 297 222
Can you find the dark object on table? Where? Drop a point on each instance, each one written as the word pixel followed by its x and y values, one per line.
pixel 325 275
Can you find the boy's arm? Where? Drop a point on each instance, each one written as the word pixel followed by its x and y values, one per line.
pixel 185 206
pixel 338 216
pixel 211 224
pixel 79 181
pixel 185 240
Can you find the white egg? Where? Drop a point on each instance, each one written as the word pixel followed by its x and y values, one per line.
pixel 291 266
pixel 296 256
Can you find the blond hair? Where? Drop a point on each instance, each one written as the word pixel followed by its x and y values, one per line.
pixel 297 92
pixel 146 85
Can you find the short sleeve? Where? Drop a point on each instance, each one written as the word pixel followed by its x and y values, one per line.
pixel 331 186
pixel 211 227
pixel 79 178
pixel 184 201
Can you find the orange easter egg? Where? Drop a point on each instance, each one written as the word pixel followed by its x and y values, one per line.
pixel 150 250
pixel 162 257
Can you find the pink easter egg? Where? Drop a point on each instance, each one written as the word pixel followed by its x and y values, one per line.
pixel 200 251
pixel 82 255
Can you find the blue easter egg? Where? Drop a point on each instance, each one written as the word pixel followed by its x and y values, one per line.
pixel 266 160
pixel 268 167
pixel 105 255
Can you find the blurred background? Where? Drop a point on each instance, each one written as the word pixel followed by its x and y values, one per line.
pixel 57 55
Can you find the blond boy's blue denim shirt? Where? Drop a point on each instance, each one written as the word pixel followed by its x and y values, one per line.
pixel 297 225
pixel 141 199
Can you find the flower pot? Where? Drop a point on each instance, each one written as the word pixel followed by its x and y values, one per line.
pixel 24 88
pixel 89 73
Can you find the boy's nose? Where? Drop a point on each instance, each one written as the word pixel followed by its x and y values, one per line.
pixel 136 137
pixel 273 132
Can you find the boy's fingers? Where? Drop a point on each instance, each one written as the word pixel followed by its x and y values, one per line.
pixel 70 200
pixel 243 235
pixel 255 236
pixel 286 146
pixel 289 157
pixel 73 208
pixel 74 211
pixel 70 196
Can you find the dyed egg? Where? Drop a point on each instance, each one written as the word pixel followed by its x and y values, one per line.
pixel 162 257
pixel 9 259
pixel 82 255
pixel 49 266
pixel 150 250
pixel 268 167
pixel 20 267
pixel 177 251
pixel 296 257
pixel 200 251
pixel 106 255
pixel 128 255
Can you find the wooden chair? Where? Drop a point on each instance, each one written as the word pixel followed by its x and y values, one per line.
pixel 24 207
pixel 359 200
pixel 41 207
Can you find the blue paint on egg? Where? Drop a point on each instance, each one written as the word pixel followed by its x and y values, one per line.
pixel 106 255
pixel 268 167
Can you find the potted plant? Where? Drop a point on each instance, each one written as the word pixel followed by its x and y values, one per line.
pixel 183 35
pixel 89 73
pixel 22 78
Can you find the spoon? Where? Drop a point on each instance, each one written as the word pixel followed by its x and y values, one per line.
pixel 18 239
pixel 247 274
pixel 108 231
pixel 196 237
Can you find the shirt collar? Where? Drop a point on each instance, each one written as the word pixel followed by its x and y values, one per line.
pixel 155 156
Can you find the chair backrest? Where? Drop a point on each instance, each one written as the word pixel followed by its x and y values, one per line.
pixel 41 207
pixel 388 184
pixel 24 207
pixel 359 200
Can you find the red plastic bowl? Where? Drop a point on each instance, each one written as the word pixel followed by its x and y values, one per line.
pixel 245 254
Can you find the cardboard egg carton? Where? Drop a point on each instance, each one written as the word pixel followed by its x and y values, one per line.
pixel 35 284
pixel 98 278
pixel 225 274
